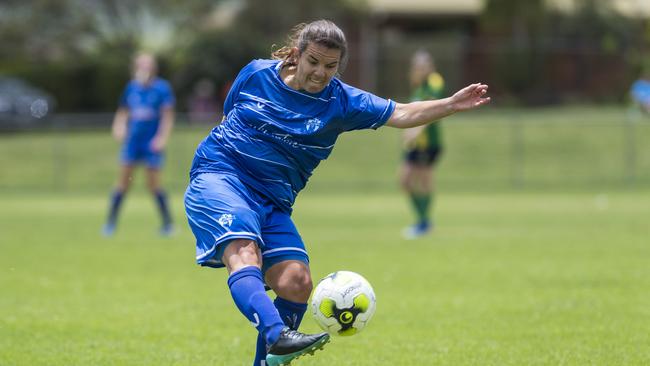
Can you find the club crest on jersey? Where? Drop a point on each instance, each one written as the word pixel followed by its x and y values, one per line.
pixel 226 219
pixel 313 124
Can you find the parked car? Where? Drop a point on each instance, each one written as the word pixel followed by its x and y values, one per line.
pixel 22 104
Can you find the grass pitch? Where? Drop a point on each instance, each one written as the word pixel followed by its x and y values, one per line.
pixel 555 273
pixel 506 279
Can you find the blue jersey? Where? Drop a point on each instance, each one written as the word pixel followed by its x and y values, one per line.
pixel 145 104
pixel 273 137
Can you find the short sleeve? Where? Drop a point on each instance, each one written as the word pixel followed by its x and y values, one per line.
pixel 363 110
pixel 238 84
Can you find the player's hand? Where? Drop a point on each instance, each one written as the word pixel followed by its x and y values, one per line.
pixel 470 97
pixel 118 133
pixel 157 144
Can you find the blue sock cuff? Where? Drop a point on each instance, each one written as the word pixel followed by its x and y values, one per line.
pixel 245 272
pixel 293 306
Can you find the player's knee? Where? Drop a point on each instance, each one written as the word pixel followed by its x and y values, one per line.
pixel 241 253
pixel 304 285
pixel 407 182
pixel 295 285
pixel 404 183
pixel 153 185
pixel 153 188
pixel 123 187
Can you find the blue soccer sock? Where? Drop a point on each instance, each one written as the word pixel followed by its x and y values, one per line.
pixel 114 207
pixel 291 313
pixel 247 289
pixel 260 351
pixel 161 199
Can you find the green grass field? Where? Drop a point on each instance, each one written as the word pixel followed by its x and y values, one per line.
pixel 554 272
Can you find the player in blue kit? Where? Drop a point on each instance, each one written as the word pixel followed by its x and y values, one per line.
pixel 640 92
pixel 281 119
pixel 143 123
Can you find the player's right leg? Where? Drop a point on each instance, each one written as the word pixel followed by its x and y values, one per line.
pixel 243 259
pixel 225 219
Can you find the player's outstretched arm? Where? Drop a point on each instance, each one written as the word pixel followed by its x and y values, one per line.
pixel 420 113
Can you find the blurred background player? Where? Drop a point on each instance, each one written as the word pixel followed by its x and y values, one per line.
pixel 143 123
pixel 640 92
pixel 423 146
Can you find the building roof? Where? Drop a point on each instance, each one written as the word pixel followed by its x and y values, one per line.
pixel 631 8
pixel 442 7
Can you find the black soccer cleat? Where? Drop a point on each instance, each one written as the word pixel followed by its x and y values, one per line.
pixel 293 344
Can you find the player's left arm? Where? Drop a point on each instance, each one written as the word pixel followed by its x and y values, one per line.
pixel 420 113
pixel 164 129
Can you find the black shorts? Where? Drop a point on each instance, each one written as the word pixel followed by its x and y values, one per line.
pixel 423 157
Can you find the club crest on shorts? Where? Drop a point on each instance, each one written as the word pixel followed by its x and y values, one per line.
pixel 226 219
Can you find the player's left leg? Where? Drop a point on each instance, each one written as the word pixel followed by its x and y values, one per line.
pixel 291 281
pixel 154 164
pixel 286 268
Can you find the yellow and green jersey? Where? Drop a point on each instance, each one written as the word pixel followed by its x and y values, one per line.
pixel 432 88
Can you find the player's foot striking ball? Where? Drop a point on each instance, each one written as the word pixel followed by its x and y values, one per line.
pixel 293 344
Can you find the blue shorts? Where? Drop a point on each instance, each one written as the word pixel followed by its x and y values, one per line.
pixel 133 153
pixel 221 208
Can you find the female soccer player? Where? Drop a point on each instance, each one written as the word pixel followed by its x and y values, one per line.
pixel 423 145
pixel 282 117
pixel 143 123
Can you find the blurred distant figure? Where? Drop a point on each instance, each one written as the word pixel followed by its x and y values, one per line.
pixel 143 123
pixel 640 91
pixel 423 145
pixel 203 104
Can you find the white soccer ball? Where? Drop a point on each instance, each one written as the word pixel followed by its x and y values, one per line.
pixel 343 303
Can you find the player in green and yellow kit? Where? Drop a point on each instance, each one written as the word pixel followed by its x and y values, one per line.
pixel 423 145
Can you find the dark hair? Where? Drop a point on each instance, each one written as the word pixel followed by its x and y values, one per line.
pixel 323 32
